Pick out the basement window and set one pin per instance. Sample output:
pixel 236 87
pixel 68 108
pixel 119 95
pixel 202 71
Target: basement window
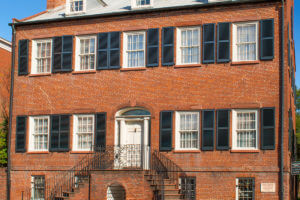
pixel 136 4
pixel 187 186
pixel 37 187
pixel 245 188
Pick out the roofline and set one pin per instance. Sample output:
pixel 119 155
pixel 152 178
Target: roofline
pixel 139 11
pixel 5 44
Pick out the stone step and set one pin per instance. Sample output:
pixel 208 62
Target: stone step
pixel 171 191
pixel 172 196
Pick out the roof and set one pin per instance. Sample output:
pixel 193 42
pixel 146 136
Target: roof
pixel 4 44
pixel 98 7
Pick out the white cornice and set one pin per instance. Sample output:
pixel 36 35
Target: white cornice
pixel 4 44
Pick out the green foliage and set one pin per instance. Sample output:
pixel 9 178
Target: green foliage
pixel 3 142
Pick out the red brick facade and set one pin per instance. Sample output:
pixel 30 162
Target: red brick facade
pixel 251 85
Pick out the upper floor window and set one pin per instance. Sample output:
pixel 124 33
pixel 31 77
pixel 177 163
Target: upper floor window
pixel 187 130
pixel 245 129
pixel 245 41
pixel 188 48
pixel 83 132
pixel 141 3
pixel 76 6
pixel 134 48
pixel 39 133
pixel 86 56
pixel 41 56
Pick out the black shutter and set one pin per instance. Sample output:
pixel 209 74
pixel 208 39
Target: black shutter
pixel 223 42
pixel 292 22
pixel 56 54
pixel 102 58
pixel 208 129
pixel 208 43
pixel 108 53
pixel 223 129
pixel 60 132
pixel 23 57
pixel 114 50
pixel 152 47
pixel 268 128
pixel 168 46
pixel 67 53
pixel 21 127
pixel 267 39
pixel 289 47
pixel 100 136
pixel 166 130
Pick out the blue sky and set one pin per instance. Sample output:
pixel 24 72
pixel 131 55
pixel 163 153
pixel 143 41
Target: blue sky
pixel 24 8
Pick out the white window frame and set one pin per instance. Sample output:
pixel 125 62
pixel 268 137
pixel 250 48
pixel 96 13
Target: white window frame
pixel 177 130
pixel 33 188
pixel 75 136
pixel 77 52
pixel 125 45
pixel 34 55
pixel 234 41
pixel 31 135
pixel 135 6
pixel 179 47
pixel 68 8
pixel 234 129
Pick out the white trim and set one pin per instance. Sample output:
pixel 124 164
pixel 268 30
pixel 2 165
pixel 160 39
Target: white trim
pixel 135 6
pixel 34 55
pixel 177 127
pixel 75 136
pixel 4 44
pixel 31 132
pixel 77 52
pixel 178 42
pixel 236 189
pixel 234 40
pixel 234 129
pixel 125 45
pixel 68 8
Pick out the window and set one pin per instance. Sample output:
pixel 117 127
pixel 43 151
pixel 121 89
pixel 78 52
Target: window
pixel 75 6
pixel 187 130
pixel 245 41
pixel 134 48
pixel 141 3
pixel 245 129
pixel 86 53
pixel 245 188
pixel 189 45
pixel 37 188
pixel 41 60
pixel 83 132
pixel 39 133
pixel 187 186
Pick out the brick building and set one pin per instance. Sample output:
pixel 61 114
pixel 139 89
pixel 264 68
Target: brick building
pixel 5 65
pixel 154 99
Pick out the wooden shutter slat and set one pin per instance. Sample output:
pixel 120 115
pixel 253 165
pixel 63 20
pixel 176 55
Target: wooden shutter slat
pixel 152 47
pixel 114 50
pixel 60 133
pixel 100 136
pixel 21 129
pixel 166 130
pixel 168 46
pixel 208 129
pixel 67 53
pixel 208 50
pixel 223 123
pixel 23 57
pixel 267 39
pixel 223 52
pixel 268 128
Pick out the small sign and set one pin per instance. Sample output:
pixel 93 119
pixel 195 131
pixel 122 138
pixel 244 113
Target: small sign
pixel 296 168
pixel 267 187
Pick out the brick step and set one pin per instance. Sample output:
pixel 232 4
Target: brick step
pixel 172 196
pixel 171 191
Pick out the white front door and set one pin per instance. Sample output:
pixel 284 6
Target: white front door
pixel 133 133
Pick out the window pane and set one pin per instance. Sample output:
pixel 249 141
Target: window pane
pixel 246 42
pixel 246 130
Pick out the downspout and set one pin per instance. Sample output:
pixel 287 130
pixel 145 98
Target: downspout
pixel 282 106
pixel 10 109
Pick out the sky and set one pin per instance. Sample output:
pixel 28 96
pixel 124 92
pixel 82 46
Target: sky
pixel 24 8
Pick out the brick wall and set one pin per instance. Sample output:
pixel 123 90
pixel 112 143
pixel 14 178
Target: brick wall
pixel 3 183
pixel 206 86
pixel 5 66
pixel 54 3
